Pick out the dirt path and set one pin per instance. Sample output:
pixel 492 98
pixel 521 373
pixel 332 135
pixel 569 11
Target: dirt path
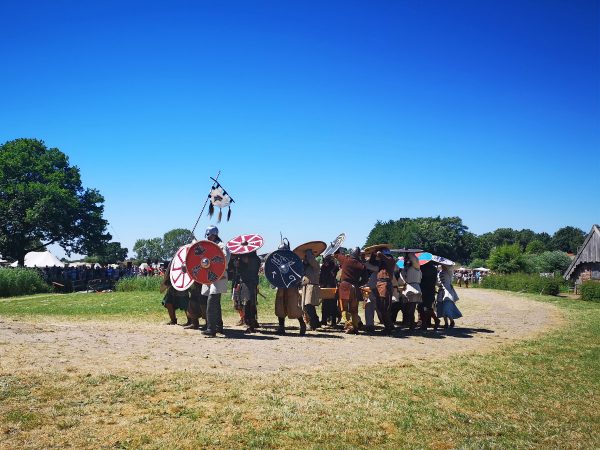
pixel 490 319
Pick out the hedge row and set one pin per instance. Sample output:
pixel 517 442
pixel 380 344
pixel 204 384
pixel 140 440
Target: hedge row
pixel 147 284
pixel 590 290
pixel 21 281
pixel 521 282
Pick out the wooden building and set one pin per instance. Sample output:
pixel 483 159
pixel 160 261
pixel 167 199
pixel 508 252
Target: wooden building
pixel 586 264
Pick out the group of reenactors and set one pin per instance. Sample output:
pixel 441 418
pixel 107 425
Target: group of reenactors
pixel 339 283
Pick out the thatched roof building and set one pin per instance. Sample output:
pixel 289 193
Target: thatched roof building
pixel 586 265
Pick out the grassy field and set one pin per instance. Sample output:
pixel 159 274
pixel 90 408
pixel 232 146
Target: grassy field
pixel 540 393
pixel 139 306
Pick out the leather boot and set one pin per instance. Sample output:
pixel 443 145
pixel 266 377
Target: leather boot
pixel 281 329
pixel 425 319
pixel 194 325
pixel 208 333
pixel 302 327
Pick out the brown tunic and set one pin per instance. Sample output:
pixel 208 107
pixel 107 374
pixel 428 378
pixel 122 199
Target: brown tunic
pixel 352 269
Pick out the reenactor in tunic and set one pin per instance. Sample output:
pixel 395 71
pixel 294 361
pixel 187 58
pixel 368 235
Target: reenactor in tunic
pixel 173 298
pixel 385 263
pixel 352 272
pixel 248 268
pixel 288 303
pixel 428 284
pixel 311 292
pixel 214 318
pixel 327 279
pixel 410 277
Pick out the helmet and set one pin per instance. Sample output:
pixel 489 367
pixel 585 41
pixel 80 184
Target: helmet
pixel 211 230
pixel 355 253
pixel 285 244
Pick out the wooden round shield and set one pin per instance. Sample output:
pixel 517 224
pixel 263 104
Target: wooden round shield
pixel 180 278
pixel 335 245
pixel 376 248
pixel 317 247
pixel 284 269
pixel 206 262
pixel 246 243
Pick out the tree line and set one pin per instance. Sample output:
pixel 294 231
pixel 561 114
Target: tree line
pixel 162 249
pixel 504 249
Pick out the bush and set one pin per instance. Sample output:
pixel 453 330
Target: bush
pixel 521 282
pixel 478 262
pixel 21 281
pixel 590 291
pixel 147 284
pixel 507 259
pixel 548 262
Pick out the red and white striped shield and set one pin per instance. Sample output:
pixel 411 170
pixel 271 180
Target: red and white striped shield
pixel 180 279
pixel 246 243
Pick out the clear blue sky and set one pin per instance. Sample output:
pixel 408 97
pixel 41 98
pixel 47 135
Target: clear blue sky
pixel 322 116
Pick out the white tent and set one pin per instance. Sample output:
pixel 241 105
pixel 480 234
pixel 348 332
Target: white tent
pixel 40 259
pixel 482 269
pixel 79 264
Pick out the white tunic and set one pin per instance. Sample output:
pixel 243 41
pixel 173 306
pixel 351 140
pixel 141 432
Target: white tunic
pixel 446 290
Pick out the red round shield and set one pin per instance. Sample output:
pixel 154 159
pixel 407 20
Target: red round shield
pixel 180 279
pixel 246 243
pixel 205 262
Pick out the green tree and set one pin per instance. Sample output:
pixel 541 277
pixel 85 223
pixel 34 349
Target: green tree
pixel 111 253
pixel 446 236
pixel 42 202
pixel 507 259
pixel 174 239
pixel 482 246
pixel 524 237
pixel 151 249
pixel 567 239
pixel 545 238
pixel 535 247
pixel 499 237
pixel 503 236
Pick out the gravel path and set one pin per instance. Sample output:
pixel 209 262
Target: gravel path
pixel 491 318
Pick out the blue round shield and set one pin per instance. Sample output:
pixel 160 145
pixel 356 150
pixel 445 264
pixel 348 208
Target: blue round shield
pixel 284 269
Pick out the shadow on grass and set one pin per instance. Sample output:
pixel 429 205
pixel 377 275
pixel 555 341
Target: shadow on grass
pixel 466 332
pixel 441 333
pixel 241 334
pixel 268 331
pixel 294 330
